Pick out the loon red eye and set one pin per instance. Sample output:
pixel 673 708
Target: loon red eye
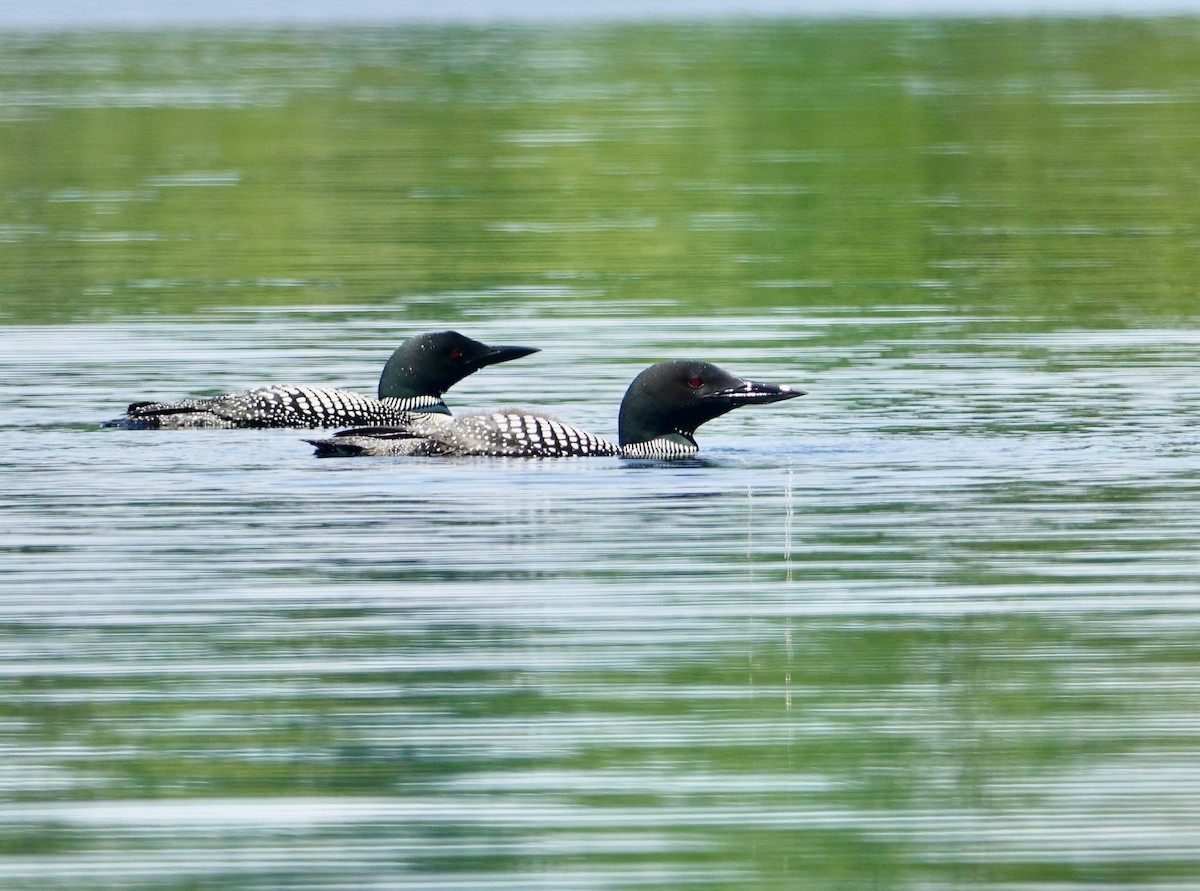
pixel 456 354
pixel 695 383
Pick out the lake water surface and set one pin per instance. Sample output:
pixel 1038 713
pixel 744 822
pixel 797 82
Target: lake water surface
pixel 933 625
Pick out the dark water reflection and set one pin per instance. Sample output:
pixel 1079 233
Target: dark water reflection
pixel 931 626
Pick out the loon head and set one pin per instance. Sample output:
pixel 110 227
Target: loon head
pixel 672 399
pixel 430 364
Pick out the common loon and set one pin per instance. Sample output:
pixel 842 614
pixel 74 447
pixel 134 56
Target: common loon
pixel 416 375
pixel 659 415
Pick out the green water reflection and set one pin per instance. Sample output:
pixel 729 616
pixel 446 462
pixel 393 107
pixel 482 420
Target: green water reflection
pixel 1043 166
pixel 824 753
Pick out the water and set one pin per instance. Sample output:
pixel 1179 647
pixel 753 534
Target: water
pixel 930 626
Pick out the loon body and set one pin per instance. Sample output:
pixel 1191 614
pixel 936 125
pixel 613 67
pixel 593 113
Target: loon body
pixel 659 415
pixel 412 383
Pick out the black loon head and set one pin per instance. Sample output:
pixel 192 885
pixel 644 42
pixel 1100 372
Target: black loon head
pixel 430 364
pixel 671 399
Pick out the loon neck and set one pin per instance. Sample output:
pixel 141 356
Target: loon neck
pixel 670 445
pixel 418 404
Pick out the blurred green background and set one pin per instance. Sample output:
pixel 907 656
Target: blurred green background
pixel 1023 166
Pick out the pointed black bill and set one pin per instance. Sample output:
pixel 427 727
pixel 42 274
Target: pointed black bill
pixel 754 393
pixel 497 354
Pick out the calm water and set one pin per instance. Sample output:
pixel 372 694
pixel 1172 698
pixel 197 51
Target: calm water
pixel 932 626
